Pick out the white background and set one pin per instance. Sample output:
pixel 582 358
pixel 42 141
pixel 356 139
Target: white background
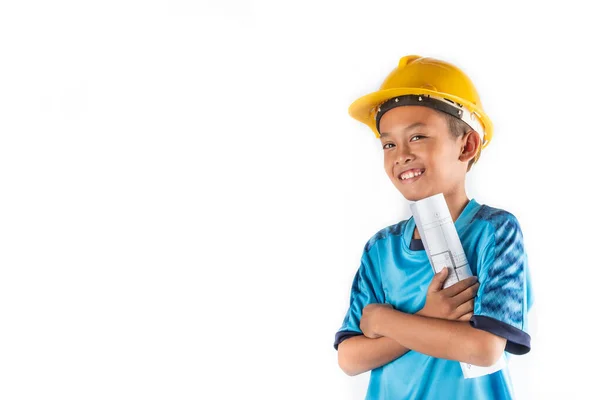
pixel 184 198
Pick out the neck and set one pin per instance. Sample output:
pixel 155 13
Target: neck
pixel 456 203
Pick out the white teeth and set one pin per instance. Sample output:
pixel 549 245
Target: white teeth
pixel 409 175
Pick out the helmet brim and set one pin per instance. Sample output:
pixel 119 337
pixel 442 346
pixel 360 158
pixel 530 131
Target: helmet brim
pixel 364 108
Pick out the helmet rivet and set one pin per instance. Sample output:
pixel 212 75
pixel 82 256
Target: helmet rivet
pixel 396 99
pixel 420 98
pixel 379 109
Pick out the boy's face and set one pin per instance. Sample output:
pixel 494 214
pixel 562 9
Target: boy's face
pixel 417 139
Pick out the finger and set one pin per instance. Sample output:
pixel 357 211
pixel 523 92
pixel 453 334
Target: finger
pixel 460 286
pixel 465 308
pixel 466 317
pixel 466 294
pixel 438 281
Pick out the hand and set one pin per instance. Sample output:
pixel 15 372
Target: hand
pixel 453 303
pixel 370 319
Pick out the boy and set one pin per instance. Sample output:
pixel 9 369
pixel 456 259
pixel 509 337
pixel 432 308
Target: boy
pixel 400 324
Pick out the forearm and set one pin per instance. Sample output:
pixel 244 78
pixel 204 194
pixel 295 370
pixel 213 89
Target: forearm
pixel 359 354
pixel 440 338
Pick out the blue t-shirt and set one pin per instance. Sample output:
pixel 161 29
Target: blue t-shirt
pixel 394 271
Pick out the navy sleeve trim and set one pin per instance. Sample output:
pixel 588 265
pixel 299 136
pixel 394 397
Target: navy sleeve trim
pixel 343 335
pixel 517 341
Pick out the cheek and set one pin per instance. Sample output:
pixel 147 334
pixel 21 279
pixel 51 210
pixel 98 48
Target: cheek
pixel 438 172
pixel 389 172
pixel 443 169
pixel 388 165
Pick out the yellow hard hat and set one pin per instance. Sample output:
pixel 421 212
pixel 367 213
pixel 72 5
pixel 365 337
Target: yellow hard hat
pixel 426 81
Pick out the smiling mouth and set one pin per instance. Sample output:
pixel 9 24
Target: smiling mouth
pixel 411 176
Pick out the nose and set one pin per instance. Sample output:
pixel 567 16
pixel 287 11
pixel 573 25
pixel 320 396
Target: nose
pixel 404 158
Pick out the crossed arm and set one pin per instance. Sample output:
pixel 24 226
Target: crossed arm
pixel 389 334
pixel 360 354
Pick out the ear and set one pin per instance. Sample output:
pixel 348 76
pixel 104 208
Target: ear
pixel 470 143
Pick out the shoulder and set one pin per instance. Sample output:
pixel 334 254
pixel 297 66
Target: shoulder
pixel 386 234
pixel 497 219
pixel 501 228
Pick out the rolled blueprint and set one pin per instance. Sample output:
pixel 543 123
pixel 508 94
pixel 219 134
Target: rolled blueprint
pixel 440 238
pixel 444 249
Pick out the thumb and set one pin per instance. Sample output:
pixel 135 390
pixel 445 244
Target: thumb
pixel 438 280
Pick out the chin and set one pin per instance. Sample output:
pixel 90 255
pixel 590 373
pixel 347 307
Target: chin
pixel 416 196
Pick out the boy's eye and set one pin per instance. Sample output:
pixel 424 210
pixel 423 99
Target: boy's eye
pixel 411 139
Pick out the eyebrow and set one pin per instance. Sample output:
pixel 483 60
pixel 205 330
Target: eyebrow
pixel 412 126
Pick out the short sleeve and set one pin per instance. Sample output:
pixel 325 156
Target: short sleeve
pixel 366 289
pixel 504 297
